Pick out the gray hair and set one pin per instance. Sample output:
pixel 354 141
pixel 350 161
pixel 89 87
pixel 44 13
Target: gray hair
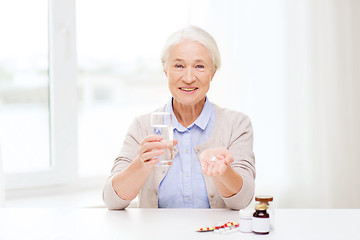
pixel 195 34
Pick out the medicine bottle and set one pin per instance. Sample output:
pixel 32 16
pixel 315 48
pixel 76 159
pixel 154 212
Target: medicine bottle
pixel 266 199
pixel 245 223
pixel 260 220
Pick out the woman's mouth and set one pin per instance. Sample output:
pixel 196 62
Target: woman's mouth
pixel 188 89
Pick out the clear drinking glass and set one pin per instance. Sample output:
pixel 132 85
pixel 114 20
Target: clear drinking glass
pixel 161 124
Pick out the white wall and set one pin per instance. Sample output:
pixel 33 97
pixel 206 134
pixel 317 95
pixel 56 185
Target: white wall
pixel 323 104
pixel 2 190
pixel 293 67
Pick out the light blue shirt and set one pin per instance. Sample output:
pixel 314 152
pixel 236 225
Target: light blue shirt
pixel 184 185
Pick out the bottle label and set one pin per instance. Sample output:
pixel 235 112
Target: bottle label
pixel 261 225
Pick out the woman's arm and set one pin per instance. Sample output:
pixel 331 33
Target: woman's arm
pixel 216 163
pixel 127 184
pixel 132 167
pixel 232 167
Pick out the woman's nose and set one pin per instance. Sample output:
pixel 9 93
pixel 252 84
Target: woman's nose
pixel 189 75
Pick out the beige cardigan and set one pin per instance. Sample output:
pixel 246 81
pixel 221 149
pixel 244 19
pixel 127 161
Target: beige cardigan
pixel 232 130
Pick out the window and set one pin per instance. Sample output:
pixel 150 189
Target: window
pixel 119 71
pixel 81 98
pixel 88 103
pixel 37 86
pixel 24 84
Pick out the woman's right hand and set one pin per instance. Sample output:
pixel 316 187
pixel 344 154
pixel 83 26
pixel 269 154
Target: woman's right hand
pixel 150 148
pixel 127 184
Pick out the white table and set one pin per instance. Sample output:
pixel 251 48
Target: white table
pixel 100 223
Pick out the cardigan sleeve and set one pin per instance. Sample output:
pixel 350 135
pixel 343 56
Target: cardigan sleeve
pixel 126 156
pixel 241 146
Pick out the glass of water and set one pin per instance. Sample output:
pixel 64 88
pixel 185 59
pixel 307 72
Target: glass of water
pixel 161 124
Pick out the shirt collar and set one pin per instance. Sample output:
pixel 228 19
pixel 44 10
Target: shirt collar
pixel 202 121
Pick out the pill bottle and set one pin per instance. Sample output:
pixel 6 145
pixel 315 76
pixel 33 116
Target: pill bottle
pixel 266 199
pixel 245 222
pixel 260 219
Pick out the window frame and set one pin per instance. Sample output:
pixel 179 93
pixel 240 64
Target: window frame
pixel 62 103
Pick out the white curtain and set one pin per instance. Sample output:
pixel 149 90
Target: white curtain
pixel 294 67
pixel 2 187
pixel 323 103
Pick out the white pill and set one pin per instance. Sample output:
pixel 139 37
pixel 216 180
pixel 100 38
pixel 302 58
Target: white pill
pixel 213 159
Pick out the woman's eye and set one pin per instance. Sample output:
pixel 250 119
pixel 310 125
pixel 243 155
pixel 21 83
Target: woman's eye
pixel 200 66
pixel 178 66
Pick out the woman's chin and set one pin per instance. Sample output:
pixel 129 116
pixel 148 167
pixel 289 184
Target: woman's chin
pixel 189 101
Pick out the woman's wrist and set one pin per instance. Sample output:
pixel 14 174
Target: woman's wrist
pixel 229 183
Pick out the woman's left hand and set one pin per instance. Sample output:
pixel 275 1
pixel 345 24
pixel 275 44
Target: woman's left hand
pixel 215 161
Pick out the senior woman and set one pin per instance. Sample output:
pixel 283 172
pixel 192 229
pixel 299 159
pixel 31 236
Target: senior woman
pixel 202 131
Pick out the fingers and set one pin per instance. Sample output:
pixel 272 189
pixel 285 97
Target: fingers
pixel 211 170
pixel 151 162
pixel 215 161
pixel 151 142
pixel 151 155
pixel 151 138
pixel 204 166
pixel 214 169
pixel 224 154
pixel 156 138
pixel 151 147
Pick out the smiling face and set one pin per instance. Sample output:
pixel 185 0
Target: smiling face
pixel 189 71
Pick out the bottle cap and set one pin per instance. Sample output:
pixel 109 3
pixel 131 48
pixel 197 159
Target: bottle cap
pixel 264 198
pixel 246 213
pixel 261 206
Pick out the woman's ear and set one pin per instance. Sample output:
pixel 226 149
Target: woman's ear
pixel 212 76
pixel 165 73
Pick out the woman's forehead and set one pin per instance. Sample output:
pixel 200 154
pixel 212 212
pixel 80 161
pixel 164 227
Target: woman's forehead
pixel 187 50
